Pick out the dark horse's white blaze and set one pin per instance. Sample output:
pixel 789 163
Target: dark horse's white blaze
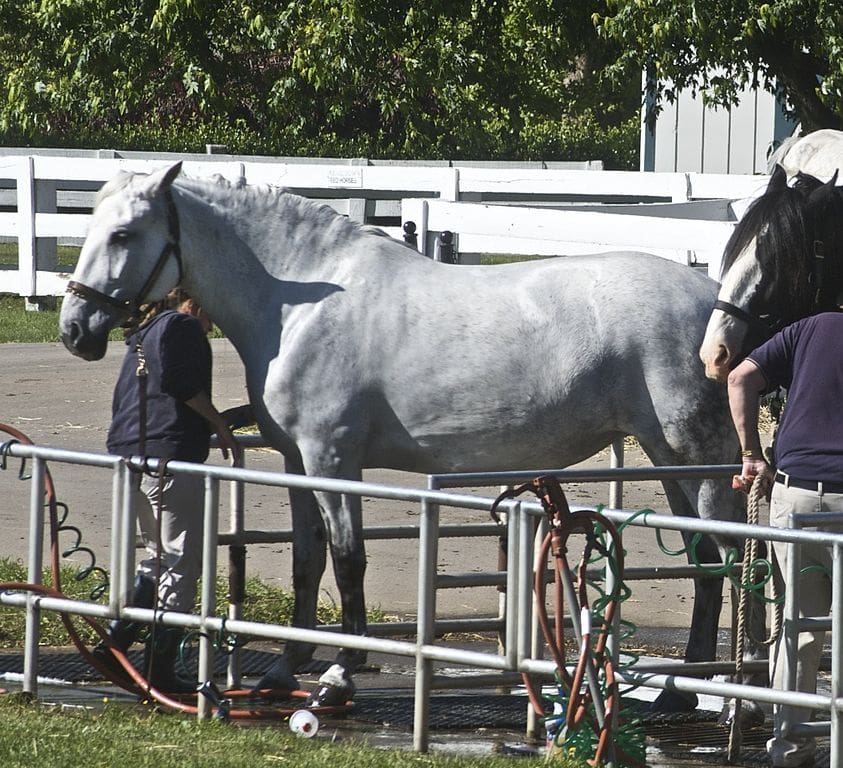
pixel 359 352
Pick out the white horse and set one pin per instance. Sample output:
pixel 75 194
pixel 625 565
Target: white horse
pixel 819 154
pixel 360 352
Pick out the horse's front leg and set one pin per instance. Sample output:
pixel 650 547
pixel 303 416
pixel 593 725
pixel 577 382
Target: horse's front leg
pixel 705 618
pixel 343 519
pixel 309 558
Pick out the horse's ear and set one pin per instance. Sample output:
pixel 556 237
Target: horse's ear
pixel 161 180
pixel 778 178
pixel 832 182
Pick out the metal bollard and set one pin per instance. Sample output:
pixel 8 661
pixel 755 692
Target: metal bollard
pixel 447 252
pixel 410 236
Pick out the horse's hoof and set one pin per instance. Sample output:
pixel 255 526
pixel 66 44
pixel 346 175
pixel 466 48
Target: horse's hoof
pixel 276 678
pixel 750 717
pixel 334 689
pixel 671 702
pixel 331 695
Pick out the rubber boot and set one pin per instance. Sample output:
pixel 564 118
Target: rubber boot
pixel 123 632
pixel 161 659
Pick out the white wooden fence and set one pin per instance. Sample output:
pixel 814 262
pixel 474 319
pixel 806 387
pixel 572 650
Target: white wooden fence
pixel 46 199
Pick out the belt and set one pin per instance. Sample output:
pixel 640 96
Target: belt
pixel 809 485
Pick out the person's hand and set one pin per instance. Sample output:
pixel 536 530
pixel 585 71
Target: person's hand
pixel 751 469
pixel 239 416
pixel 229 445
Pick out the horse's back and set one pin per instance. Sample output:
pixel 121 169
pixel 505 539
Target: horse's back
pixel 819 154
pixel 529 364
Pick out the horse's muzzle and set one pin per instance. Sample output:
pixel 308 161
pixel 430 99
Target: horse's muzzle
pixel 88 346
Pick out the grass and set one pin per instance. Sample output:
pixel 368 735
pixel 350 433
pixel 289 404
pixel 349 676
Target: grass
pixel 33 736
pixel 16 323
pixel 19 325
pixel 137 736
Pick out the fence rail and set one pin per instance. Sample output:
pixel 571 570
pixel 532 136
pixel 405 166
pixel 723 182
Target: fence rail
pixel 518 656
pixel 46 199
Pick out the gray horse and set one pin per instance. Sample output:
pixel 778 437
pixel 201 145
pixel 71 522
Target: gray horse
pixel 359 352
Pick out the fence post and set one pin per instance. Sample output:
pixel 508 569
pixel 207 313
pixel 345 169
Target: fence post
pixel 616 458
pixel 416 210
pixel 236 571
pixel 428 558
pixel 35 565
pixel 33 252
pixel 208 599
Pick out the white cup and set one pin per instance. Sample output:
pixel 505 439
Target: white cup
pixel 304 723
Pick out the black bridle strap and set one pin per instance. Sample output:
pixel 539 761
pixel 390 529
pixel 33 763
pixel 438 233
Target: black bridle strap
pixel 737 312
pixel 757 324
pixel 123 306
pixel 128 307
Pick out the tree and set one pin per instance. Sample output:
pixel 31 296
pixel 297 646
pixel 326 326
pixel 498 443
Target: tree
pixel 719 47
pixel 440 78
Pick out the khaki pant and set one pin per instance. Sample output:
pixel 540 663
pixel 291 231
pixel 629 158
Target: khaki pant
pixel 814 600
pixel 182 512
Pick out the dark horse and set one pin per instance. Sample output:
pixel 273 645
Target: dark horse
pixel 783 262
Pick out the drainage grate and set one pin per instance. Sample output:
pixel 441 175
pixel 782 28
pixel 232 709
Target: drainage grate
pixel 457 712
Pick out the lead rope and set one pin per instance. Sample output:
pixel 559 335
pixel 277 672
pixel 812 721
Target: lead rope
pixel 750 555
pixel 142 373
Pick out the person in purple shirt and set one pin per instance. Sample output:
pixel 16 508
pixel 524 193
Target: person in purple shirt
pixel 167 414
pixel 806 358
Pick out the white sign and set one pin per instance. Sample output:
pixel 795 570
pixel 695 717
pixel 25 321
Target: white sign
pixel 345 177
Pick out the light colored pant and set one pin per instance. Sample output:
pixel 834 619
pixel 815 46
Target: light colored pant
pixel 814 600
pixel 182 512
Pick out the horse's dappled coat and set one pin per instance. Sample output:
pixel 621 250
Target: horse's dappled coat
pixel 360 352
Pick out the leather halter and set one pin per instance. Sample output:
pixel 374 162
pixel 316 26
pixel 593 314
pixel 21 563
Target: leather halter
pixel 758 324
pixel 766 325
pixel 128 309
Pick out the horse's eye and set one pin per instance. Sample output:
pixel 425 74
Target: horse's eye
pixel 119 237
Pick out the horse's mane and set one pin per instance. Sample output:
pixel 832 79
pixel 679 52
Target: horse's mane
pixel 112 186
pixel 261 200
pixel 788 222
pixel 266 200
pixel 779 223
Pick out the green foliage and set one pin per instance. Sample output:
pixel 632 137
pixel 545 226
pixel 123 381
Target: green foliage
pixel 718 47
pixel 434 80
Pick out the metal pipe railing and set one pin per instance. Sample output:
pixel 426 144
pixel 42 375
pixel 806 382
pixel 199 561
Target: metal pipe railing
pixel 521 517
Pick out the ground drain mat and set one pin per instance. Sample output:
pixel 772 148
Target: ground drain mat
pixel 70 667
pixel 709 743
pixel 457 712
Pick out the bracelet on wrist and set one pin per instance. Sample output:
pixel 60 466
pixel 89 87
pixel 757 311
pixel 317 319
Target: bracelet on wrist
pixel 751 455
